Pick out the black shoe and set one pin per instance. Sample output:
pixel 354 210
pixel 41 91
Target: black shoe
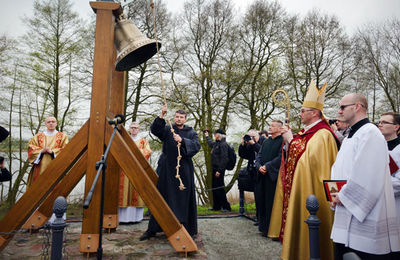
pixel 275 239
pixel 147 235
pixel 255 224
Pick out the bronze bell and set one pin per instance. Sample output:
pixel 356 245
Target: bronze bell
pixel 133 48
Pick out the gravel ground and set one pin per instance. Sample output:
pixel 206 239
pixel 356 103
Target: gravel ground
pixel 220 237
pixel 236 238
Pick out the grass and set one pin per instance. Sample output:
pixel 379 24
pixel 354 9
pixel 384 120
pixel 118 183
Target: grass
pixel 75 210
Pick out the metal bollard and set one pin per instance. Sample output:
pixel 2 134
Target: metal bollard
pixel 241 202
pixel 313 223
pixel 59 208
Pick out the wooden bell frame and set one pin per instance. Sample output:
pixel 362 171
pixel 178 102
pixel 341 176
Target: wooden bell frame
pixel 34 208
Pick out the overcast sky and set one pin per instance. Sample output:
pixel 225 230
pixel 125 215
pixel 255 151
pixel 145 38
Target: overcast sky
pixel 352 13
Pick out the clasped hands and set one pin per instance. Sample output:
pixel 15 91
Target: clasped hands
pixel 47 150
pixel 263 170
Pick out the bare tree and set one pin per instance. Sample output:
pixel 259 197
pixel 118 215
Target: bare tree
pixel 380 47
pixel 201 47
pixel 318 48
pixel 54 40
pixel 261 51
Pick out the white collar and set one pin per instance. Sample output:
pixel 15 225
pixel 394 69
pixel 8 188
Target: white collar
pixel 47 133
pixel 306 128
pixel 135 138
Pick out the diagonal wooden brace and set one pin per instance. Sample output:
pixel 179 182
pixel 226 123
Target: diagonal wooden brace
pixel 140 179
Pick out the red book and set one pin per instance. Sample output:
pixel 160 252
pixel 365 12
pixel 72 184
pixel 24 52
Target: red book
pixel 392 165
pixel 332 186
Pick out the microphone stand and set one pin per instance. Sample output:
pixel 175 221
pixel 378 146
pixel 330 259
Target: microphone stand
pixel 101 168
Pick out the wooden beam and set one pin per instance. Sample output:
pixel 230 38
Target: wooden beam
pixel 114 7
pixel 173 229
pixel 31 199
pixel 143 184
pixel 116 106
pixel 63 188
pixel 139 156
pixel 102 69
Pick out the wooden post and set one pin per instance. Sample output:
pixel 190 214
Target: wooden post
pixel 117 103
pixel 102 69
pixel 87 147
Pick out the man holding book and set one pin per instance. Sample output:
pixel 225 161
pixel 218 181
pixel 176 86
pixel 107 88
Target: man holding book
pixel 365 219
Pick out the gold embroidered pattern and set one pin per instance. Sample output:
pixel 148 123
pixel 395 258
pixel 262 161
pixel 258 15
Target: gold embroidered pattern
pixel 296 149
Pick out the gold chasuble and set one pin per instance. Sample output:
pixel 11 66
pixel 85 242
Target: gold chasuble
pixel 55 142
pixel 309 160
pixel 128 196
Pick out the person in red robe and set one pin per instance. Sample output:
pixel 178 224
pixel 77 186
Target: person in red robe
pixel 131 205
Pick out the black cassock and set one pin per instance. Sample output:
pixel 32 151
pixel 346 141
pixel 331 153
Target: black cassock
pixel 181 202
pixel 270 155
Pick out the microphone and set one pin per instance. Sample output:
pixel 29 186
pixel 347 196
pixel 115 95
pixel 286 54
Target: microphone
pixel 119 119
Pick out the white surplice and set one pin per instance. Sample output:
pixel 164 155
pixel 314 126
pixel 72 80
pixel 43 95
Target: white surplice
pixel 395 153
pixel 368 220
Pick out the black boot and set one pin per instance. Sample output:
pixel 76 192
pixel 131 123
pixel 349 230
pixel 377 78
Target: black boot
pixel 147 235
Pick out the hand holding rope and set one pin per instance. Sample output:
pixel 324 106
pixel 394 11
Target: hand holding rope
pixel 181 186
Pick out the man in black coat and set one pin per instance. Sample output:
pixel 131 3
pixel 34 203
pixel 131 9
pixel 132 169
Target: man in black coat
pixel 181 202
pixel 5 175
pixel 248 150
pixel 3 134
pixel 267 164
pixel 219 161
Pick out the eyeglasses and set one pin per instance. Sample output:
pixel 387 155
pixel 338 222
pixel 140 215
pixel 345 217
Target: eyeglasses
pixel 133 127
pixel 305 110
pixel 386 123
pixel 342 107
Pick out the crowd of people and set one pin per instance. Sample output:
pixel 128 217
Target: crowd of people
pixel 362 217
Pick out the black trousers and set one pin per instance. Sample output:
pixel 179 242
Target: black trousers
pixel 341 249
pixel 219 195
pixel 264 201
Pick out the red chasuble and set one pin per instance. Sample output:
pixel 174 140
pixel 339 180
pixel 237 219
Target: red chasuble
pixel 296 149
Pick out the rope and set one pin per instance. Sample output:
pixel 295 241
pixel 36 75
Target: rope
pixel 178 146
pixel 216 188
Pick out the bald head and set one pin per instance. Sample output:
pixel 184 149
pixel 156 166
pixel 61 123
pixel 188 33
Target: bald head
pixel 360 98
pixel 50 123
pixel 353 108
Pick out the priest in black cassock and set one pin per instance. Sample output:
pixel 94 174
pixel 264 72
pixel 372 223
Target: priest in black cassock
pixel 267 163
pixel 181 202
